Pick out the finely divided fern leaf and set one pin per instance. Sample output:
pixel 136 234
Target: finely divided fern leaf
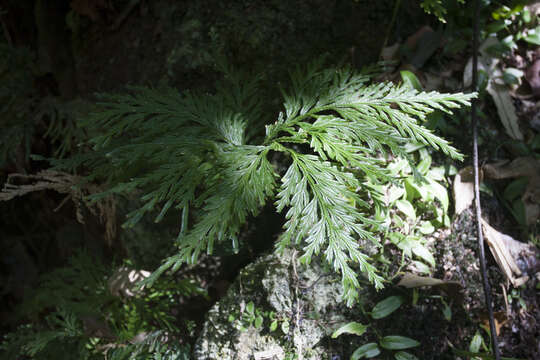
pixel 322 214
pixel 245 180
pixel 345 123
pixel 190 152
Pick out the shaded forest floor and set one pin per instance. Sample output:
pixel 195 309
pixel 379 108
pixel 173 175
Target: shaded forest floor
pixel 99 46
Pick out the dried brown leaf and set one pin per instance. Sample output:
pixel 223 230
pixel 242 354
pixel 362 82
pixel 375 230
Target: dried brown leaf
pixel 73 187
pixel 452 288
pixel 510 253
pixel 499 317
pixel 463 189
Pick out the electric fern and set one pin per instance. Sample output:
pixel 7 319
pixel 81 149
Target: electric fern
pixel 191 152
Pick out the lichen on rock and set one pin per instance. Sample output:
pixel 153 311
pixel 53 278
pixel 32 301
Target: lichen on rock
pixel 302 300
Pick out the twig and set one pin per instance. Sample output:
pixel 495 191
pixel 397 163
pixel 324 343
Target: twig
pixel 397 5
pixel 481 255
pixel 125 12
pixel 5 28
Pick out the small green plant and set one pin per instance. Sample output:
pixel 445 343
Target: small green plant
pixel 409 209
pixel 249 316
pixel 512 24
pixel 395 344
pixel 477 343
pixel 510 33
pixel 277 321
pixel 515 297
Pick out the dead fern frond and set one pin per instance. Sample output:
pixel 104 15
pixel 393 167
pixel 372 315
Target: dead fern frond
pixel 75 190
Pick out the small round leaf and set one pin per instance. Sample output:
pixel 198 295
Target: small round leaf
pixel 258 321
pixel 426 227
pixel 250 307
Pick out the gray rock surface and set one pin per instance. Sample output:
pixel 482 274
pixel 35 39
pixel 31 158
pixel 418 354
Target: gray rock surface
pixel 300 301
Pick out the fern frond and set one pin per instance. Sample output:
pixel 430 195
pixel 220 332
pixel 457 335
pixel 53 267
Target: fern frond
pixel 155 345
pixel 347 124
pixel 186 152
pixel 64 327
pixel 321 214
pixel 189 151
pixel 246 180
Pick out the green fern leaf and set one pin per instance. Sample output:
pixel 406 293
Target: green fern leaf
pixel 192 152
